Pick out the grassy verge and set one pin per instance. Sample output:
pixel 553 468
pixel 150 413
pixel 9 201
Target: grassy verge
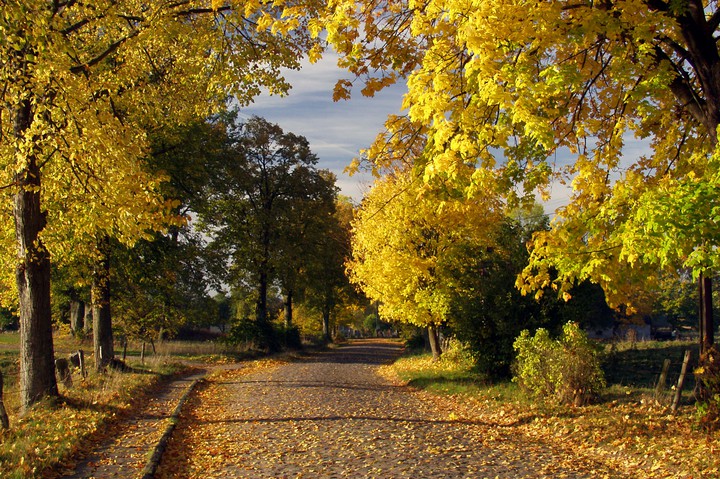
pixel 629 429
pixel 51 432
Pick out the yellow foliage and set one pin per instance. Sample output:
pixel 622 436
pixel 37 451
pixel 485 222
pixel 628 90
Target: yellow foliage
pixel 87 82
pixel 402 241
pixel 499 89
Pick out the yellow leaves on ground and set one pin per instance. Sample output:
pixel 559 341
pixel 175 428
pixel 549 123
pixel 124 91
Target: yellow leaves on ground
pixel 204 451
pixel 633 436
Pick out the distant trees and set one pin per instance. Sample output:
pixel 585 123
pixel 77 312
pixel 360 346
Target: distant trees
pixel 406 241
pixel 267 210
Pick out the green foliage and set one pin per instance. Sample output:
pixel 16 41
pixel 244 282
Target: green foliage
pixel 289 336
pixel 8 320
pixel 458 352
pixel 567 369
pixel 487 311
pixel 244 331
pixel 708 377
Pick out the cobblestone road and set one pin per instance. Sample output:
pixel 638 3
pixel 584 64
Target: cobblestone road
pixel 330 415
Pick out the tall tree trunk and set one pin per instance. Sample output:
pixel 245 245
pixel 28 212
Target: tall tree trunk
pixel 37 357
pixel 77 316
pixel 288 309
pixel 102 320
pixel 87 318
pixel 326 322
pixel 434 339
pixel 707 324
pixel 261 314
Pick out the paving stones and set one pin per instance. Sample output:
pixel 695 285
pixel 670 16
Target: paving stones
pixel 330 415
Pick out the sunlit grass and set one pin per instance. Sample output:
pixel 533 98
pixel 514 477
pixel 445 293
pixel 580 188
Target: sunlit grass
pixel 628 427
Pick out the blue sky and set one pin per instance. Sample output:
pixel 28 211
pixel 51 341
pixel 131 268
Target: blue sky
pixel 337 131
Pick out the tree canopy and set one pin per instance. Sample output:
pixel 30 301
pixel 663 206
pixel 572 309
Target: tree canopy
pixel 82 83
pixel 505 90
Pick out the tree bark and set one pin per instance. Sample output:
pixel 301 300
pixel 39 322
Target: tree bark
pixel 326 322
pixel 77 316
pixel 707 323
pixel 434 339
pixel 288 309
pixel 37 357
pixel 102 319
pixel 4 420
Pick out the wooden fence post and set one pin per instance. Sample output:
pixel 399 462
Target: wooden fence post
pixel 662 380
pixel 681 380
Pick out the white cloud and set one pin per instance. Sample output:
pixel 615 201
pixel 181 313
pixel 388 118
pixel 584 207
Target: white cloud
pixel 337 131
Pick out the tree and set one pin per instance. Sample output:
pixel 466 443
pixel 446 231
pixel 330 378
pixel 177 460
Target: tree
pixel 261 200
pixel 80 84
pixel 327 285
pixel 530 81
pixel 305 224
pixel 404 240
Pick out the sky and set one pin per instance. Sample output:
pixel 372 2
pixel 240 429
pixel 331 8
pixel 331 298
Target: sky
pixel 336 131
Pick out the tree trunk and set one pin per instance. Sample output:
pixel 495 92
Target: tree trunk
pixel 77 316
pixel 288 309
pixel 37 357
pixel 88 317
pixel 4 420
pixel 706 326
pixel 434 339
pixel 326 323
pixel 261 306
pixel 102 320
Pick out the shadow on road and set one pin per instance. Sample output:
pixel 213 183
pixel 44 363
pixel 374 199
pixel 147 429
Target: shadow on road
pixel 374 352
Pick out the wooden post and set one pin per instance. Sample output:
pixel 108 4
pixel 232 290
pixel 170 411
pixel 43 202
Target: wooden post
pixel 681 380
pixel 142 353
pixel 662 380
pixel 4 421
pixel 81 356
pixel 62 366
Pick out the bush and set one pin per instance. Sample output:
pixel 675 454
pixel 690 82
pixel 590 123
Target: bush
pixel 290 337
pixel 457 352
pixel 708 379
pixel 244 331
pixel 567 369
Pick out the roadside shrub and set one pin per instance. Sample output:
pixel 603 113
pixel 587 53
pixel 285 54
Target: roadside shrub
pixel 567 369
pixel 707 376
pixel 290 337
pixel 457 352
pixel 244 331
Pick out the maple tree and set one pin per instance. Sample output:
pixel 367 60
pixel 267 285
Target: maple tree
pixel 404 240
pixel 504 90
pixel 80 85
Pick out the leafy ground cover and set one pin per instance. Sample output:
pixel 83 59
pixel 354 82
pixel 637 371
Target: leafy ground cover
pixel 628 428
pixel 47 435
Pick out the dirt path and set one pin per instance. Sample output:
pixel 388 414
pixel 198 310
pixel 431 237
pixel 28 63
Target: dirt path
pixel 330 415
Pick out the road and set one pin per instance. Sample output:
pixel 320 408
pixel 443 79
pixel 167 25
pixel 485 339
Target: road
pixel 330 415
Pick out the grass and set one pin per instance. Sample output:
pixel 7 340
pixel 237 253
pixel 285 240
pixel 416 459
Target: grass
pixel 628 427
pixel 51 432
